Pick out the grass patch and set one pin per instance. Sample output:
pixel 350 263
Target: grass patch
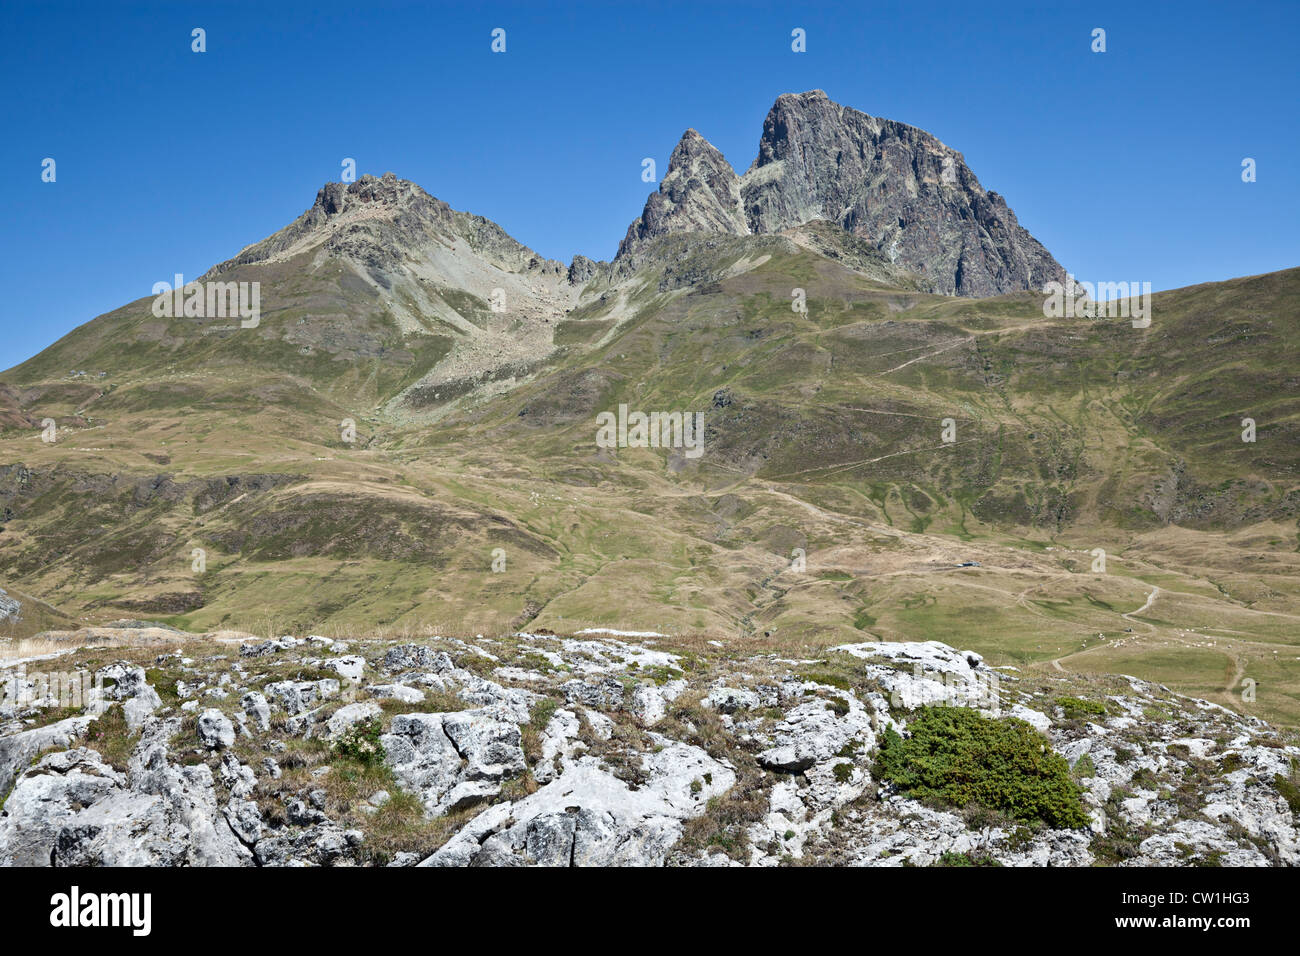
pixel 827 678
pixel 531 733
pixel 110 737
pixel 965 859
pixel 400 826
pixel 1077 709
pixel 1289 787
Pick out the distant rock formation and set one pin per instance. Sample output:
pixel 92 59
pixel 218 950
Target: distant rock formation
pixel 383 221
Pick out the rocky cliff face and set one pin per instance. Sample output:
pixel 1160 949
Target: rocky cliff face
pixel 893 185
pixel 700 192
pixel 537 749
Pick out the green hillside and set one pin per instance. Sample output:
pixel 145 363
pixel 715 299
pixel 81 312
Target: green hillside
pixel 823 432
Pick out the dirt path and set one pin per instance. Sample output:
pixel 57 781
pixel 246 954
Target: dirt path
pixel 1151 598
pixel 921 358
pixel 833 469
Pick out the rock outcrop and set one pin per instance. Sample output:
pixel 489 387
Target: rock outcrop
pixel 544 750
pixel 700 192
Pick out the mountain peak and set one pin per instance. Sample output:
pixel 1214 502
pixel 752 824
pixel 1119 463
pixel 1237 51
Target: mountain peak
pixel 808 97
pixel 387 190
pixel 700 192
pixel 896 186
pixel 383 223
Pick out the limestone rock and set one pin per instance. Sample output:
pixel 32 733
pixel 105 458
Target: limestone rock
pixel 453 760
pixel 588 817
pixel 298 696
pixel 813 732
pixel 17 750
pixel 215 730
pixel 349 715
pixel 728 700
pixel 257 709
pixel 351 666
pixel 47 796
pixel 407 695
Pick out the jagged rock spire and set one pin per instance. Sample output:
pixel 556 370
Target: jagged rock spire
pixel 699 193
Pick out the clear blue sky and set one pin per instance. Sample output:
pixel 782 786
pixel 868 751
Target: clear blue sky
pixel 1126 164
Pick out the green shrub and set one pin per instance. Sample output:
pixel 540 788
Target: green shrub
pixel 954 756
pixel 541 713
pixel 360 742
pixel 1144 778
pixel 662 674
pixel 837 705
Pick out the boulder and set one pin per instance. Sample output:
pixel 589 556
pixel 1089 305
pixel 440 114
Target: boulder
pixel 349 715
pixel 18 750
pixel 453 760
pixel 215 730
pixel 257 709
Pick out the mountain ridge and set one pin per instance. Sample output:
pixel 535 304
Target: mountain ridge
pixel 887 187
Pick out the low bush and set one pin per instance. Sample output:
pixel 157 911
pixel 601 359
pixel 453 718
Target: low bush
pixel 954 756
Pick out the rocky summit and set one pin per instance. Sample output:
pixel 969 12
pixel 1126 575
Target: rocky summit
pixel 893 185
pixel 608 748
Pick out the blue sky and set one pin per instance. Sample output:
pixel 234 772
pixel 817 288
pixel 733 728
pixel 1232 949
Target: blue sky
pixel 1126 165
